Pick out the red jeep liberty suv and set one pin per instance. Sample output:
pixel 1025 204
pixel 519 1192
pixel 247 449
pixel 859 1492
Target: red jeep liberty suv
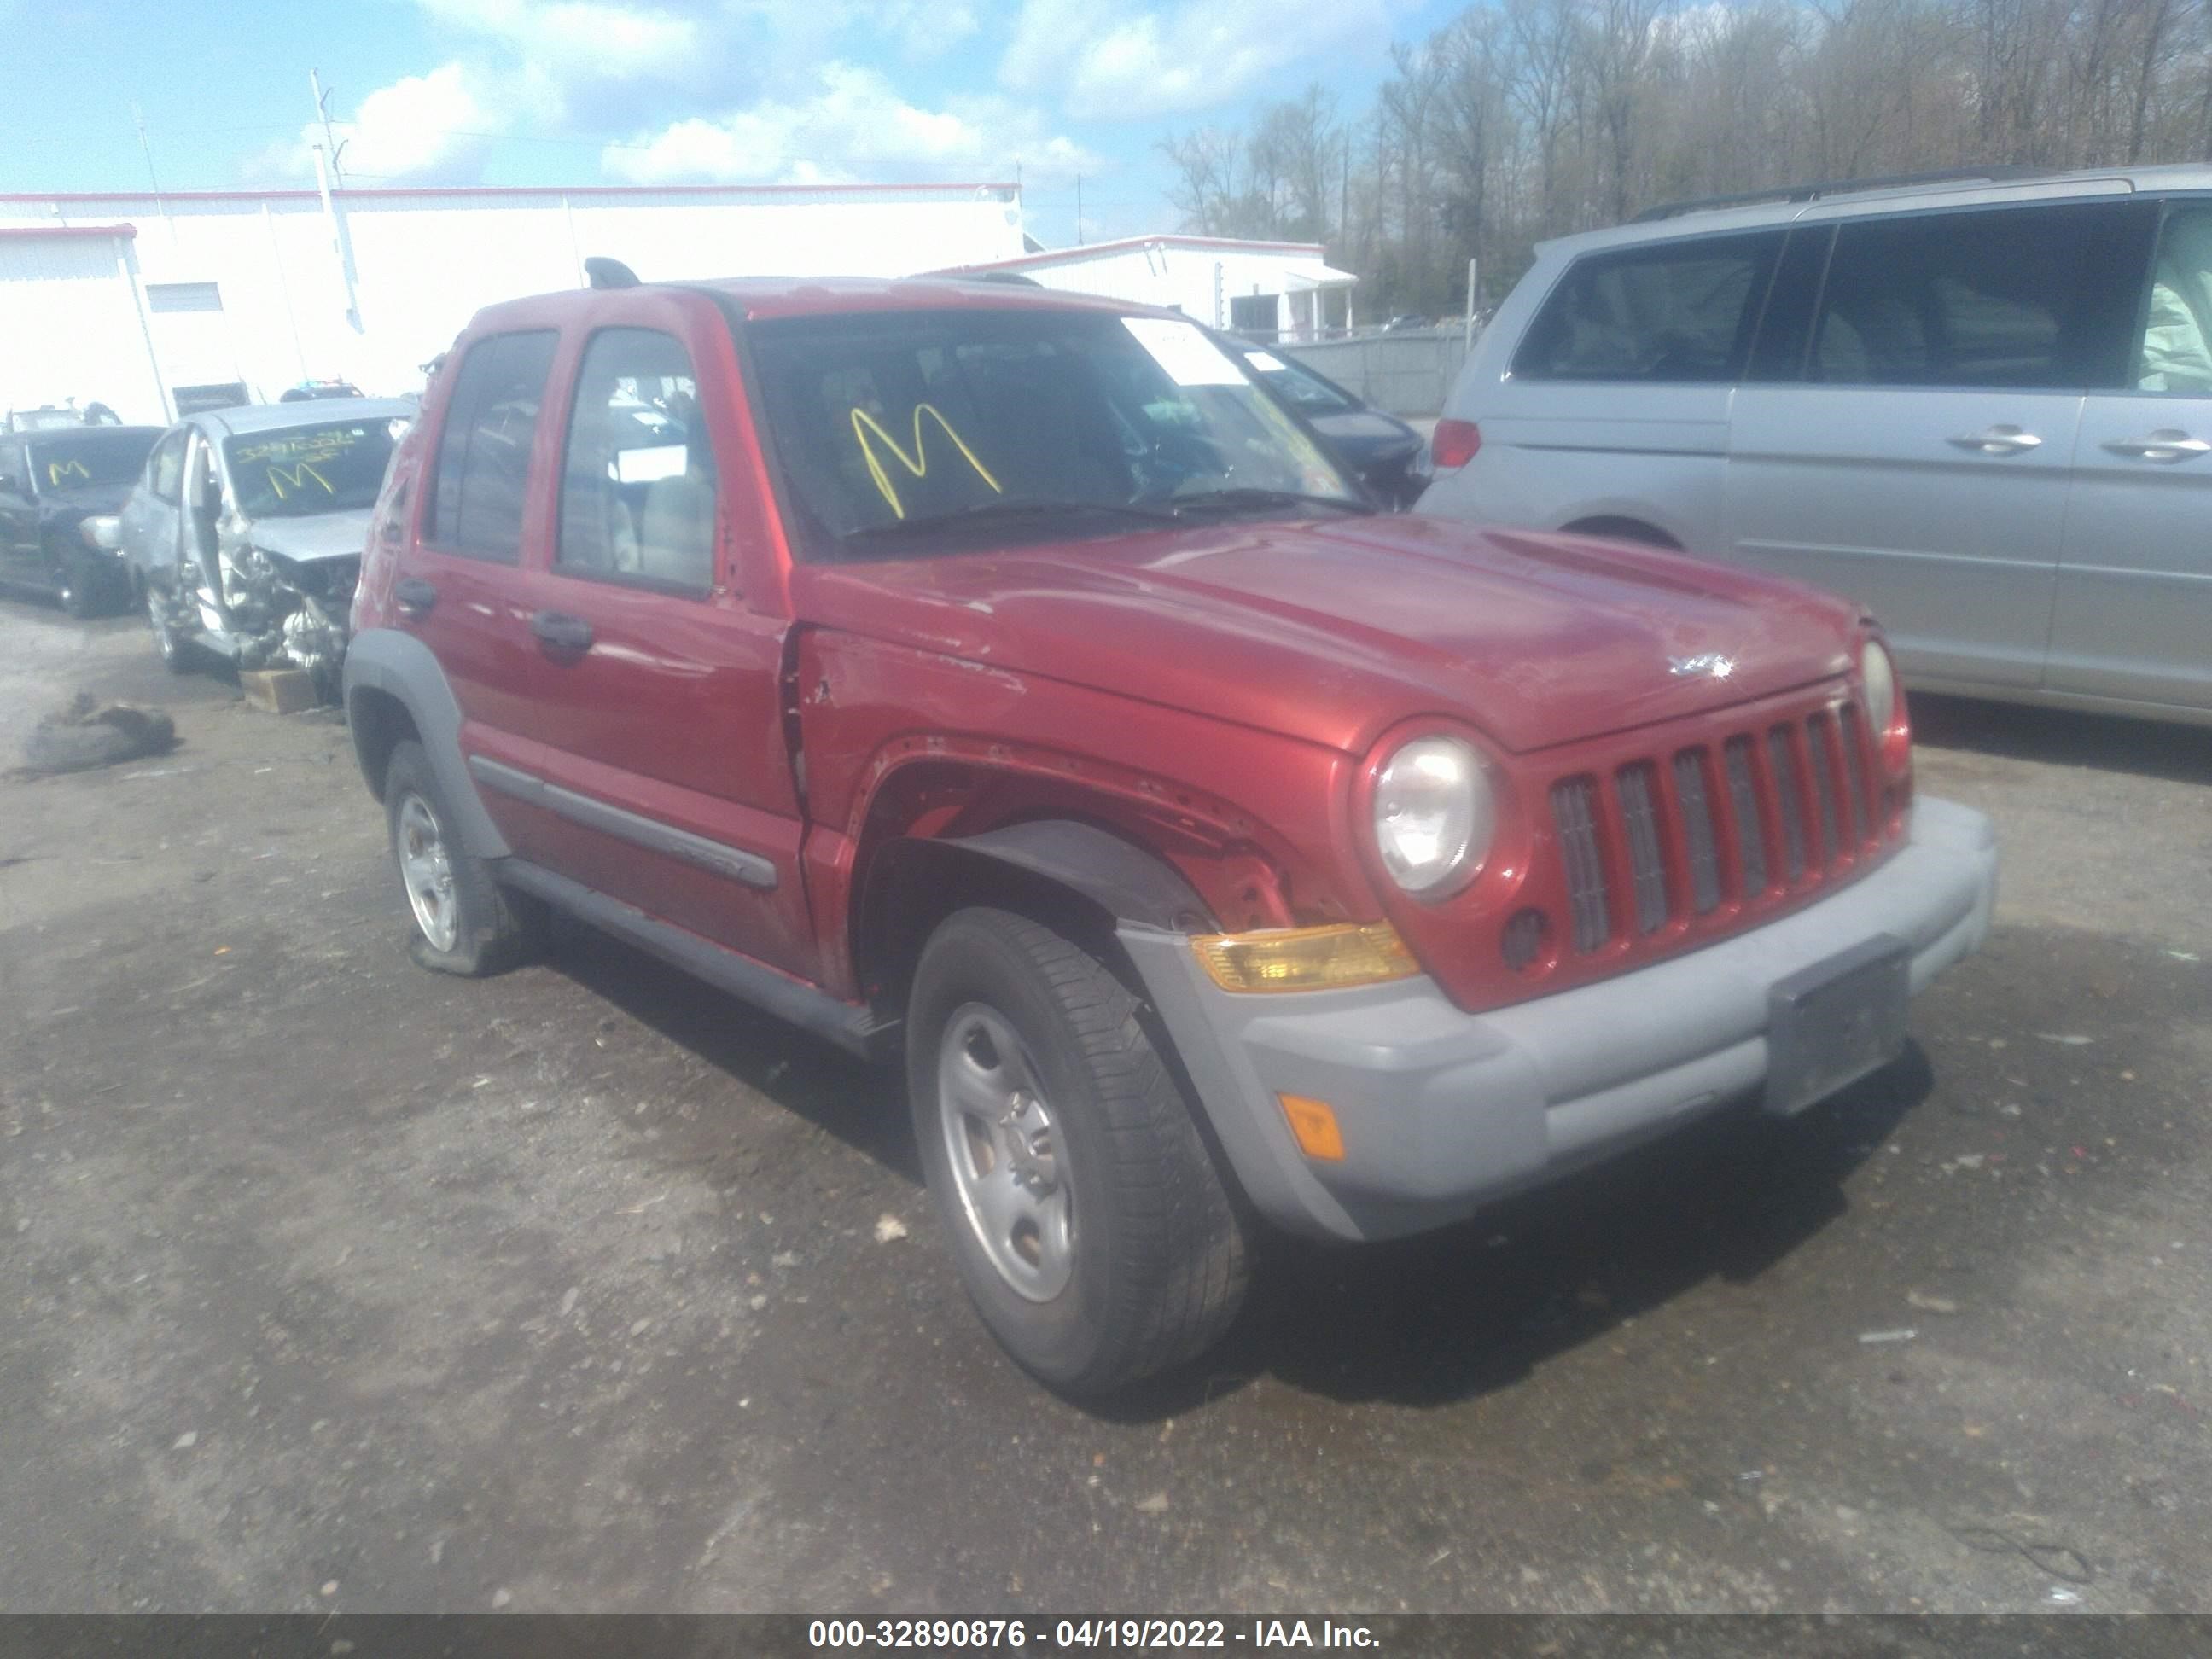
pixel 1009 680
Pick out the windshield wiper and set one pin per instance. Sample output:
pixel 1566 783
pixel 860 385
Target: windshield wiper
pixel 1009 507
pixel 1246 496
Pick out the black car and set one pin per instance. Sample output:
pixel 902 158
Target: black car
pixel 50 483
pixel 1390 458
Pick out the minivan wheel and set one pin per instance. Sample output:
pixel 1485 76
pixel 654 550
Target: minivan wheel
pixel 465 923
pixel 1090 1225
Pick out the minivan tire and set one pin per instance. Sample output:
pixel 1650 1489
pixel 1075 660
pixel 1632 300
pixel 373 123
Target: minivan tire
pixel 1156 1255
pixel 471 927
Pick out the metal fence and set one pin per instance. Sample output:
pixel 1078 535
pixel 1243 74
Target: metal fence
pixel 1405 374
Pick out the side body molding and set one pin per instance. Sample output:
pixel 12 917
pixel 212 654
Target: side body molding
pixel 399 665
pixel 716 858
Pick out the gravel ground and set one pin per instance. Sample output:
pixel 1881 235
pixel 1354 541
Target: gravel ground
pixel 332 1285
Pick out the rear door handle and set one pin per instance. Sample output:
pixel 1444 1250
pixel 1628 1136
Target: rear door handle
pixel 561 631
pixel 414 596
pixel 2166 444
pixel 2004 440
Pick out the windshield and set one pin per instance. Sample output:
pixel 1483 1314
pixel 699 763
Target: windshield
pixel 932 430
pixel 307 470
pixel 90 455
pixel 1300 385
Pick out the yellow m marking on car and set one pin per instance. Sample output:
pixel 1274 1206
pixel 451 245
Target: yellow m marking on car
pixel 297 477
pixel 917 465
pixel 58 472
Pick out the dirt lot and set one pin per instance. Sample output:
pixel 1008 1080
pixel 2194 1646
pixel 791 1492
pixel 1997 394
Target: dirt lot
pixel 331 1284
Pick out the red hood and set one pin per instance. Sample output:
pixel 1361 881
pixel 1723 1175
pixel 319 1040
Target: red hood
pixel 1332 630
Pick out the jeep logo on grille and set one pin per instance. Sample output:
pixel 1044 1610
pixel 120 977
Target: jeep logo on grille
pixel 1710 663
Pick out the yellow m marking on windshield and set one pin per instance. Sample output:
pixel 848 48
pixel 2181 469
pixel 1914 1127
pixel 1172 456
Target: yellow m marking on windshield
pixel 917 465
pixel 297 477
pixel 59 472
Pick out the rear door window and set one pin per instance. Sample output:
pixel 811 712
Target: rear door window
pixel 2026 297
pixel 484 451
pixel 1672 312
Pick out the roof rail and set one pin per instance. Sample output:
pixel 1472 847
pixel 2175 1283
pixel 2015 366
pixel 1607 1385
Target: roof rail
pixel 1997 175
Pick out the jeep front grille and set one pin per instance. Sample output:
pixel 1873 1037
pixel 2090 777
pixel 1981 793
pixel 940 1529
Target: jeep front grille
pixel 1636 854
pixel 1574 808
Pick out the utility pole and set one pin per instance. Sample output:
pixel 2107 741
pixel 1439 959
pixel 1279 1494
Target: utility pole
pixel 153 179
pixel 327 169
pixel 330 145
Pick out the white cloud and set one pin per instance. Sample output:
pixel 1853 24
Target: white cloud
pixel 1114 63
pixel 853 121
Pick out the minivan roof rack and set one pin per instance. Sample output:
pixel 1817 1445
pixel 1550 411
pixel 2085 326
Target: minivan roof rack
pixel 1997 175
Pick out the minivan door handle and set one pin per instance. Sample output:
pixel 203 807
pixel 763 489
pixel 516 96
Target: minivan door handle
pixel 2166 444
pixel 563 632
pixel 414 596
pixel 1999 440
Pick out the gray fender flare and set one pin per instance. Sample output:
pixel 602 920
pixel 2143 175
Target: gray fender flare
pixel 1122 883
pixel 399 665
pixel 1132 885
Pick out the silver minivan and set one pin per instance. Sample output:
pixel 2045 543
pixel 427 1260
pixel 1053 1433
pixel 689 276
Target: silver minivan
pixel 1981 406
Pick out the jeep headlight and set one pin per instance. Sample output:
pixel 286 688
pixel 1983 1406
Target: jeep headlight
pixel 1878 675
pixel 1435 813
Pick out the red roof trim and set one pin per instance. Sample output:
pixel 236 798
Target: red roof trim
pixel 553 191
pixel 48 232
pixel 1090 250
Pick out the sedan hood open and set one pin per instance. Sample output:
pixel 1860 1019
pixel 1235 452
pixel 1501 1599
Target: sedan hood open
pixel 1332 630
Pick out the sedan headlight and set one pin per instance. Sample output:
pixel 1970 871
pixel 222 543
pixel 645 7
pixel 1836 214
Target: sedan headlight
pixel 1880 675
pixel 1435 813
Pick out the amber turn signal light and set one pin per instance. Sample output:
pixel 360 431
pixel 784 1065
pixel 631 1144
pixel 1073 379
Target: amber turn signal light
pixel 1314 1125
pixel 1305 958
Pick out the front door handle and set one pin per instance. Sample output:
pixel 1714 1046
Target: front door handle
pixel 414 596
pixel 2004 440
pixel 2166 444
pixel 563 632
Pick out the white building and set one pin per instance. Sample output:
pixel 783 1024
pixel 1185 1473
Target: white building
pixel 1268 290
pixel 129 298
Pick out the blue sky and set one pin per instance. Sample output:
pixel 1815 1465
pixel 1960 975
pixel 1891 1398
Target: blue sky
pixel 578 91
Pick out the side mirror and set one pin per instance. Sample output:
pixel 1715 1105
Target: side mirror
pixel 103 531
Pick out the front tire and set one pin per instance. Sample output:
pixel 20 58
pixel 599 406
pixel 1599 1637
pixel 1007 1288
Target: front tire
pixel 465 923
pixel 166 646
pixel 1090 1225
pixel 76 587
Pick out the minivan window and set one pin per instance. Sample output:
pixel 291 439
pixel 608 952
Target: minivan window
pixel 2175 351
pixel 637 484
pixel 1668 312
pixel 2008 297
pixel 484 453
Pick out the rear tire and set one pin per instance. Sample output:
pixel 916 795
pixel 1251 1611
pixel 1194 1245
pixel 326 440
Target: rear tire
pixel 465 923
pixel 1090 1225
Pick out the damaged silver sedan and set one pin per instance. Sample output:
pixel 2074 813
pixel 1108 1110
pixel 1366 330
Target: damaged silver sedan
pixel 244 535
